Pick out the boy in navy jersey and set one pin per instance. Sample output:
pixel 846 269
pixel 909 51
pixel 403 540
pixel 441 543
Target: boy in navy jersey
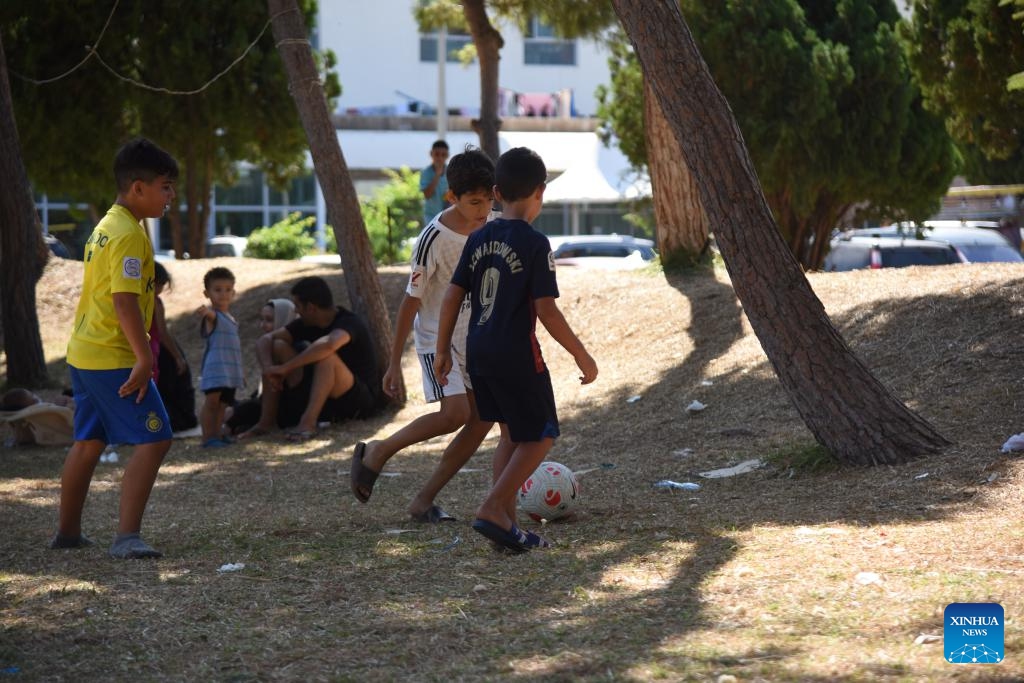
pixel 509 273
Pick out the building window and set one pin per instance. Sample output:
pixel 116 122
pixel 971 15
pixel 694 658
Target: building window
pixel 456 41
pixel 542 46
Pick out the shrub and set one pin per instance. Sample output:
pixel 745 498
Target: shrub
pixel 392 215
pixel 287 239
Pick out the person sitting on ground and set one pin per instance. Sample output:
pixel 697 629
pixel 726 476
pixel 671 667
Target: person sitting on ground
pixel 438 248
pixel 274 314
pixel 320 367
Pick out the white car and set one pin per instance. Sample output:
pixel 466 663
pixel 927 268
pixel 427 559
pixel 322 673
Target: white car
pixel 603 252
pixel 226 245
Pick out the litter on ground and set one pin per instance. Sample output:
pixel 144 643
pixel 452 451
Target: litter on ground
pixel 742 468
pixel 669 484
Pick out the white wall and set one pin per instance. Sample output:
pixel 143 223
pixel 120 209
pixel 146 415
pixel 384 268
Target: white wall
pixel 378 48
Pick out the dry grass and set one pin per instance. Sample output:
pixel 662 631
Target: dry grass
pixel 752 576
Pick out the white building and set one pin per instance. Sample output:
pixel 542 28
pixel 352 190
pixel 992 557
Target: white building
pixel 385 63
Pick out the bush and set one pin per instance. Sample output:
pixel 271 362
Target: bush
pixel 392 216
pixel 287 239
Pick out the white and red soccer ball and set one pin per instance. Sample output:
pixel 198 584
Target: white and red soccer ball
pixel 549 493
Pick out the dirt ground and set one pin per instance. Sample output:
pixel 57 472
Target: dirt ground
pixel 785 573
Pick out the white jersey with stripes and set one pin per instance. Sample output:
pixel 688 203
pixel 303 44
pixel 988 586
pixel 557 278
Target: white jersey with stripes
pixel 438 249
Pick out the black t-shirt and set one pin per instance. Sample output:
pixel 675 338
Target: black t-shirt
pixel 506 265
pixel 358 355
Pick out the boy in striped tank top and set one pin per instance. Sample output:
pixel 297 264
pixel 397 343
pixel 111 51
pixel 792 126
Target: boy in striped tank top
pixel 222 372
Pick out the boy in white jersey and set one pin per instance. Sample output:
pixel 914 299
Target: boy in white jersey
pixel 438 248
pixel 110 359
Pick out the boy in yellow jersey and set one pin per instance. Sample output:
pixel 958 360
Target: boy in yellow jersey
pixel 109 355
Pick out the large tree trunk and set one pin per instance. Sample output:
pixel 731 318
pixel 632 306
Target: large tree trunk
pixel 22 253
pixel 364 288
pixel 846 408
pixel 488 44
pixel 682 227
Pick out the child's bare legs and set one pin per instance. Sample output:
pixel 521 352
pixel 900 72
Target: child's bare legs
pixel 79 466
pixel 456 454
pixel 513 463
pixel 455 411
pixel 137 483
pixel 210 416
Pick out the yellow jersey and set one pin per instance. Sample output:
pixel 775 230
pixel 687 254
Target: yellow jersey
pixel 118 258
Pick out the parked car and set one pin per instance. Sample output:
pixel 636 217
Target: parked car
pixel 57 248
pixel 976 241
pixel 226 245
pixel 607 252
pixel 853 252
pixel 900 246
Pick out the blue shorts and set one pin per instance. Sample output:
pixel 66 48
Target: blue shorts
pixel 526 403
pixel 102 415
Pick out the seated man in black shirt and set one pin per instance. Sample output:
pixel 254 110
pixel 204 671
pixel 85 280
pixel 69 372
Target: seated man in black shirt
pixel 319 367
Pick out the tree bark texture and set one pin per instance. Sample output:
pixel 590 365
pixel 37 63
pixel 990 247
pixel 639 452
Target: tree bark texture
pixel 22 253
pixel 360 270
pixel 488 42
pixel 682 227
pixel 846 408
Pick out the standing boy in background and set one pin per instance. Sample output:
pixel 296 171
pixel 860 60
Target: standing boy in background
pixel 434 182
pixel 222 372
pixel 111 362
pixel 509 273
pixel 438 248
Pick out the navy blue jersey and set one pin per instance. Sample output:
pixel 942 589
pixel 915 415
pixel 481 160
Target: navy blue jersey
pixel 506 266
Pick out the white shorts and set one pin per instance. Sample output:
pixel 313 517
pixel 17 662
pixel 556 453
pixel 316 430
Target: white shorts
pixel 458 378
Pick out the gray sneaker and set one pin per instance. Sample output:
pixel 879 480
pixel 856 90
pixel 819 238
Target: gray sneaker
pixel 132 547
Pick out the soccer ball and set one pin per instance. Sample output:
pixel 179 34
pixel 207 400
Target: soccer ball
pixel 549 493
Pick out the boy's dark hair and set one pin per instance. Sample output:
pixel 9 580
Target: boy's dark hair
pixel 140 159
pixel 518 173
pixel 313 290
pixel 439 144
pixel 160 274
pixel 470 171
pixel 218 273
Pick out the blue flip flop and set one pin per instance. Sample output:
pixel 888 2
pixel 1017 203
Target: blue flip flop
pixel 513 539
pixel 532 540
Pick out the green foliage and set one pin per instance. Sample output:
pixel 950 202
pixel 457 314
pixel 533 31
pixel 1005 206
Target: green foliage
pixel 569 18
pixel 626 86
pixel 287 239
pixel 809 458
pixel 392 215
pixel 1016 81
pixel 828 109
pixel 71 128
pixel 964 52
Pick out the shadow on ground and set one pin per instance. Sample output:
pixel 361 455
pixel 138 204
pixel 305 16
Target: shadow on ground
pixel 335 589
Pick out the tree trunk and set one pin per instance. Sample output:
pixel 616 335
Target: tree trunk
pixel 846 408
pixel 682 227
pixel 488 44
pixel 22 253
pixel 360 270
